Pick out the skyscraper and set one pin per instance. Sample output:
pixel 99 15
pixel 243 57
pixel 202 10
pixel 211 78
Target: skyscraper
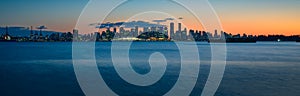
pixel 31 37
pixel 222 35
pixel 216 34
pixel 179 27
pixel 136 31
pixel 172 32
pixel 115 30
pixel 146 29
pixel 179 31
pixel 75 35
pixel 184 34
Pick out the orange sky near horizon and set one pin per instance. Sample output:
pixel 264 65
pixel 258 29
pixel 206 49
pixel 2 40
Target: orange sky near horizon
pixel 276 18
pixel 259 17
pixel 275 25
pixel 262 25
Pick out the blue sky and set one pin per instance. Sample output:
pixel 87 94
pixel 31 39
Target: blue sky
pixel 57 14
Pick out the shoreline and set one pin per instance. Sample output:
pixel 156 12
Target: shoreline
pixel 144 41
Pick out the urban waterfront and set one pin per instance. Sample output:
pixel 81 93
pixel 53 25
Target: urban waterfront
pixel 150 48
pixel 46 69
pixel 149 33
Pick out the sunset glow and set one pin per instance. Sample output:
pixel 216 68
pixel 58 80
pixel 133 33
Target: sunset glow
pixel 256 17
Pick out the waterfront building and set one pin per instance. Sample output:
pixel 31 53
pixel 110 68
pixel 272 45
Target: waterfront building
pixel 172 30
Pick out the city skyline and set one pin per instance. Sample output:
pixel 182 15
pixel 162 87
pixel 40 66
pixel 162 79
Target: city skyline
pixel 238 17
pixel 143 32
pixel 171 26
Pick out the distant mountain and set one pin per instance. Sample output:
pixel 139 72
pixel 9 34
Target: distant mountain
pixel 23 31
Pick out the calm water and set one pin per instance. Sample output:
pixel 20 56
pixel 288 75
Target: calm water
pixel 46 69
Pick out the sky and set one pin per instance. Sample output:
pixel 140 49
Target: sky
pixel 256 17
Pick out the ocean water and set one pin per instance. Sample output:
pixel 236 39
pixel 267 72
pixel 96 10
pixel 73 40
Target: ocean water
pixel 46 69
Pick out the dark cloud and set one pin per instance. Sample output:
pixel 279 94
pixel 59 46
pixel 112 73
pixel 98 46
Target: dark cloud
pixel 170 19
pixel 41 27
pixel 131 24
pixel 109 24
pixel 159 21
pixel 94 24
pixel 127 24
pixel 165 20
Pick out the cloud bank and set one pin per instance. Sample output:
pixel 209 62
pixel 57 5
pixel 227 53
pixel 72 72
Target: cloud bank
pixel 132 24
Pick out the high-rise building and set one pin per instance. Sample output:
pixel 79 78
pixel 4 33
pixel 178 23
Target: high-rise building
pixel 205 35
pixel 31 32
pixel 161 29
pixel 216 34
pixel 75 35
pixel 146 29
pixel 153 28
pixel 184 34
pixel 177 35
pixel 191 35
pixel 172 32
pixel 41 37
pixel 115 30
pixel 121 30
pixel 166 31
pixel 132 32
pixel 97 36
pixel 31 36
pixel 136 31
pixel 179 27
